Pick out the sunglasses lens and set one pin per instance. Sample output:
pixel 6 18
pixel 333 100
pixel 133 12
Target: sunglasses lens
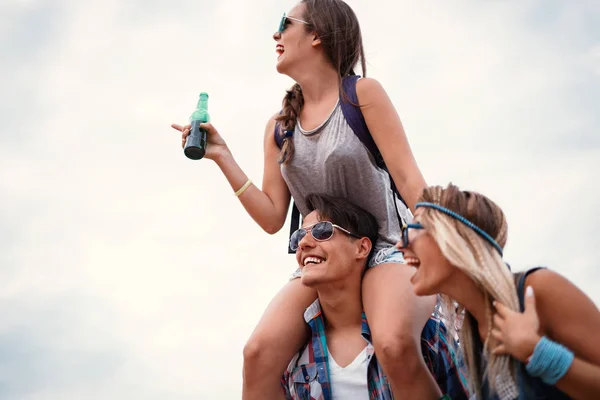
pixel 281 24
pixel 322 230
pixel 296 238
pixel 404 240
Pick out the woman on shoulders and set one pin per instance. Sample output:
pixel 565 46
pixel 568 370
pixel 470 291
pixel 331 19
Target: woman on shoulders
pixel 310 146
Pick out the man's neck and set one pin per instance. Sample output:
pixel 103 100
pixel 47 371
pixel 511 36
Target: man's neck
pixel 341 306
pixel 342 310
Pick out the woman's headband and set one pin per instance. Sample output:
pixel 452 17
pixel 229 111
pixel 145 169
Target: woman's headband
pixel 465 221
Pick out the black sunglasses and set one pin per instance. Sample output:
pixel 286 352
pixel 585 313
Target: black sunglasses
pixel 405 230
pixel 321 231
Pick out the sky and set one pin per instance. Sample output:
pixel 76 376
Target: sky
pixel 128 271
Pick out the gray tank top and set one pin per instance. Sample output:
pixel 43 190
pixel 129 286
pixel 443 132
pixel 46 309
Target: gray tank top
pixel 332 160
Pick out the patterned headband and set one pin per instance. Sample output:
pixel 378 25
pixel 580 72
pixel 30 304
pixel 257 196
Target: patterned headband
pixel 465 221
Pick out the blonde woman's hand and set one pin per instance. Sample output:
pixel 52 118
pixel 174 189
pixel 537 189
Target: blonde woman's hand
pixel 216 147
pixel 517 333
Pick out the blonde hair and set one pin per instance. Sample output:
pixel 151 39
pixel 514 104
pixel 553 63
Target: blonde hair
pixel 479 260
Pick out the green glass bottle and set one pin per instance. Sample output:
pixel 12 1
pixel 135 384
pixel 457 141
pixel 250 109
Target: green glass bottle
pixel 195 144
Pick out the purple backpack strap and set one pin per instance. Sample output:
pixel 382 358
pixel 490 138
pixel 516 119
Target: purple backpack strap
pixel 277 134
pixel 295 217
pixel 354 117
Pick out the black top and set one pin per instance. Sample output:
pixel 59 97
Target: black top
pixel 530 388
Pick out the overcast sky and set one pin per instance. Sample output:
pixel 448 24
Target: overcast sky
pixel 128 271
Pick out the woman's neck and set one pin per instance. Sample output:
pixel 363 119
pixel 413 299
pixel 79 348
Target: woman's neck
pixel 319 84
pixel 462 289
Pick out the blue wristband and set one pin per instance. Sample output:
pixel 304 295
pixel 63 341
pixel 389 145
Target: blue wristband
pixel 550 361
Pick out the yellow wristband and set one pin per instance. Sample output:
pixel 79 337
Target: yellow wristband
pixel 243 188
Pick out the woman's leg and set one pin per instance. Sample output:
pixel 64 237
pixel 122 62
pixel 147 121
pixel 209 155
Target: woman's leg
pixel 396 317
pixel 279 334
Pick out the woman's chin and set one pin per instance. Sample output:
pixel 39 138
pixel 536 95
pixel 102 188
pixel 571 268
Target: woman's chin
pixel 419 287
pixel 417 290
pixel 281 65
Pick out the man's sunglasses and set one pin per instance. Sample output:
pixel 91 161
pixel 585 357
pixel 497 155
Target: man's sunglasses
pixel 405 232
pixel 284 22
pixel 321 231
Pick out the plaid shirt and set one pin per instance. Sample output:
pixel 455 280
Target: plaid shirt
pixel 307 375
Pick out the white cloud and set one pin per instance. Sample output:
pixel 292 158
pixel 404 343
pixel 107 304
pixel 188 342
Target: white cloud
pixel 121 253
pixel 592 58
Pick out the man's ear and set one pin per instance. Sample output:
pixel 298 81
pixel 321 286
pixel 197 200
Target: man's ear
pixel 364 248
pixel 316 41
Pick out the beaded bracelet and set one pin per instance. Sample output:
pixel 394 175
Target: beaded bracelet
pixel 550 361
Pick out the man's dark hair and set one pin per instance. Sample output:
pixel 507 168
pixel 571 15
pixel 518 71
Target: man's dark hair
pixel 345 214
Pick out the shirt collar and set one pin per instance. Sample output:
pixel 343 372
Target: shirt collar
pixel 314 311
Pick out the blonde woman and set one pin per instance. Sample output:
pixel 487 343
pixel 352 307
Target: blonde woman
pixel 532 335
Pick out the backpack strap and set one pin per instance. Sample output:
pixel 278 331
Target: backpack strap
pixel 277 134
pixel 355 119
pixel 521 286
pixel 354 116
pixel 295 218
pixel 294 224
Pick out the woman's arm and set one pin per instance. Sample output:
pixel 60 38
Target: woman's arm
pixel 565 315
pixel 387 131
pixel 269 206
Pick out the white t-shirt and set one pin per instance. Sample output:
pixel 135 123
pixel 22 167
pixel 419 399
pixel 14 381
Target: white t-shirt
pixel 350 382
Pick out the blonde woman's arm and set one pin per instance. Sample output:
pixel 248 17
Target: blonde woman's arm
pixel 558 310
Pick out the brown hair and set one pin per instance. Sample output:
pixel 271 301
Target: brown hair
pixel 337 27
pixel 344 213
pixel 481 262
